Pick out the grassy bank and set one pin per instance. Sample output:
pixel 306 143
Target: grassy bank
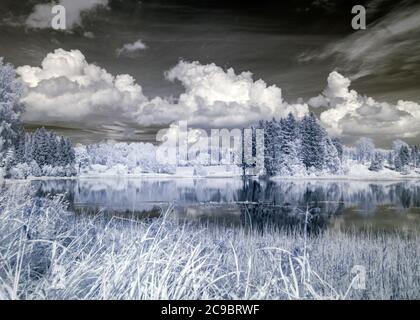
pixel 47 252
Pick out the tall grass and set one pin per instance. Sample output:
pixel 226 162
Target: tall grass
pixel 47 252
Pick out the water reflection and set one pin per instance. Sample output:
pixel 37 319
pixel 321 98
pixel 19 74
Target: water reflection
pixel 250 202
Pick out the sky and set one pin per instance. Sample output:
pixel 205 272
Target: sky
pixel 123 69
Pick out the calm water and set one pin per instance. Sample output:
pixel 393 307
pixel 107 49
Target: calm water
pixel 332 204
pixel 339 205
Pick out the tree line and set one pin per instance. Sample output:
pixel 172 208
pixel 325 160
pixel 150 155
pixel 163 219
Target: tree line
pixel 23 154
pixel 401 158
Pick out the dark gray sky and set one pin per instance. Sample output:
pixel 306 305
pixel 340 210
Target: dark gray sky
pixel 291 44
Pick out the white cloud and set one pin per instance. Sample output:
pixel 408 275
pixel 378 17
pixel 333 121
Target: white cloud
pixel 221 98
pixel 41 16
pixel 130 48
pixel 350 113
pixel 67 88
pixel 386 47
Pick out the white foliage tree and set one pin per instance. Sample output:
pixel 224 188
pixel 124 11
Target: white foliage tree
pixel 365 150
pixel 11 109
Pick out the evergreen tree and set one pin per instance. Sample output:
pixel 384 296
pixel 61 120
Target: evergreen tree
pixel 28 155
pixel 339 147
pixel 20 150
pixel 48 149
pixel 397 162
pixel 288 160
pixel 69 151
pixel 402 159
pixel 313 151
pixel 397 144
pixel 54 154
pixel 35 169
pixel 414 156
pixel 377 163
pixel 269 145
pixel 41 147
pixel 332 163
pixel 418 158
pixel 405 156
pixel 295 147
pixel 248 150
pixel 391 158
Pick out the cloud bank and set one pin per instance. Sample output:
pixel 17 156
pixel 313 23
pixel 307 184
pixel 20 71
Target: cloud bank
pixel 41 16
pixel 223 98
pixel 68 88
pixel 350 113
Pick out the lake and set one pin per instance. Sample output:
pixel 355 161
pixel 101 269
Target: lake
pixel 345 204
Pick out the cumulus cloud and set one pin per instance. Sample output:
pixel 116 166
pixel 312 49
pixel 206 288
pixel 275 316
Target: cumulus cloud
pixel 41 16
pixel 130 48
pixel 67 88
pixel 226 99
pixel 350 113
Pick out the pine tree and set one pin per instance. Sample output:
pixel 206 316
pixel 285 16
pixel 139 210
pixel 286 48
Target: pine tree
pixel 41 147
pixel 313 150
pixel 402 159
pixel 28 155
pixel 248 150
pixel 269 146
pixel 58 160
pixel 295 147
pixel 61 158
pixel 405 155
pixel 287 153
pixel 53 156
pixel 35 169
pixel 20 150
pixel 414 156
pixel 339 147
pixel 418 158
pixel 69 152
pixel 332 163
pixel 397 162
pixel 377 163
pixel 391 158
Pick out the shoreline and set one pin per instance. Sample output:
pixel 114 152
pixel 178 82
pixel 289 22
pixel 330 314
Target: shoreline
pixel 233 177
